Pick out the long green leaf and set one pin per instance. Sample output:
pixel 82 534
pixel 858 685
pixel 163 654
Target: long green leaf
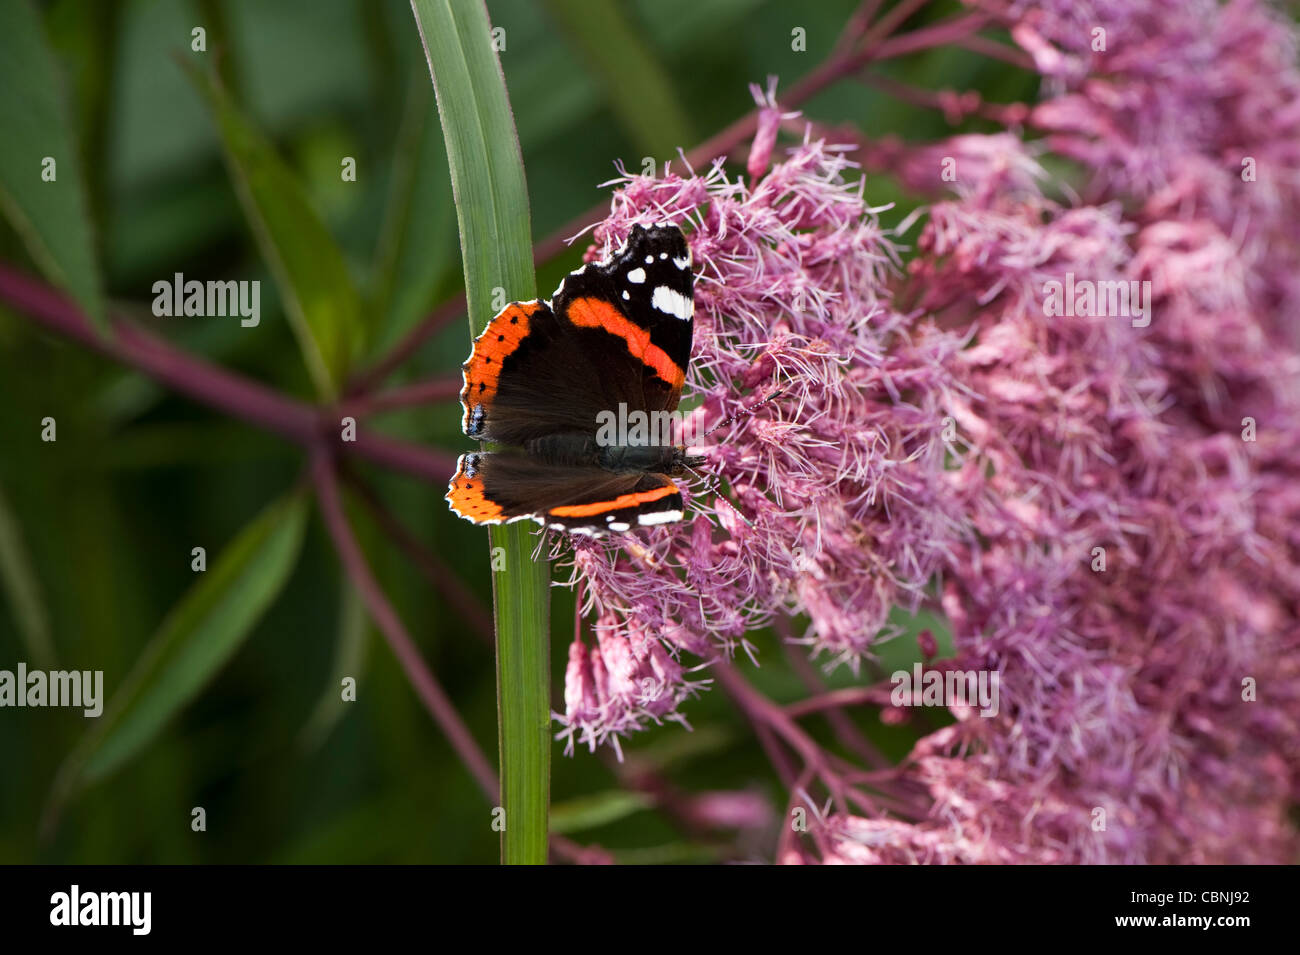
pixel 487 177
pixel 196 639
pixel 52 217
pixel 322 302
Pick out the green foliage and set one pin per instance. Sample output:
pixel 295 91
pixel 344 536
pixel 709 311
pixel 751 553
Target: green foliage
pixel 639 89
pixel 598 809
pixel 198 637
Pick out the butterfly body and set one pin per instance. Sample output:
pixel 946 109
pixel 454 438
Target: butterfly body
pixel 583 450
pixel 614 340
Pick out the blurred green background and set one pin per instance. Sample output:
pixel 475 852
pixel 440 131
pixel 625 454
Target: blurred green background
pixel 97 528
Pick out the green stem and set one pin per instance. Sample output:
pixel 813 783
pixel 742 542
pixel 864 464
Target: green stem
pixel 487 176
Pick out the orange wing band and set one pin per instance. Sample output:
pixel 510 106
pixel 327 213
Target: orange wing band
pixel 620 502
pixel 594 313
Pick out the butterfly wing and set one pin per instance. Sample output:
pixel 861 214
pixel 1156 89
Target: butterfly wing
pixel 502 487
pixel 643 300
pixel 618 333
pixel 530 375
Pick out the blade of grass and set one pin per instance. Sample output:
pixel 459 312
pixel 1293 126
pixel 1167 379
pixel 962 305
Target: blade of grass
pixel 51 217
pixel 198 637
pixel 323 304
pixel 487 176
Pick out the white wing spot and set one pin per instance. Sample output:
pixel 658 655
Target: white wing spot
pixel 683 264
pixel 663 255
pixel 649 259
pixel 627 296
pixel 673 302
pixel 636 276
pixel 658 517
pixel 620 526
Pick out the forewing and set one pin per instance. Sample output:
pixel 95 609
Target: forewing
pixel 642 297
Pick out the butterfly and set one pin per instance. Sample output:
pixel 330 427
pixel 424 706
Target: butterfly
pixel 551 380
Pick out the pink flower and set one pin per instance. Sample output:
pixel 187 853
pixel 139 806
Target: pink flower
pixel 622 682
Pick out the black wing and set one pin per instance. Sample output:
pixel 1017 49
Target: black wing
pixel 618 333
pixel 531 374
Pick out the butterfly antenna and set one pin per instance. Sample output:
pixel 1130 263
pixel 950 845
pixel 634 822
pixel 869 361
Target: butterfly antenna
pixel 712 483
pixel 743 414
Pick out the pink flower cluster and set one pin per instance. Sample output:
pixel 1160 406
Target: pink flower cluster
pixel 1107 511
pixel 828 465
pixel 1154 709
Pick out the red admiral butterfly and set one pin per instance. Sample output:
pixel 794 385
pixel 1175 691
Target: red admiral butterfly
pixel 615 335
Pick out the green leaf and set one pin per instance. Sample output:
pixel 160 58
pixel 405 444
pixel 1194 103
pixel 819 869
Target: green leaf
pixel 23 589
pixel 588 812
pixel 51 217
pixel 320 298
pixel 637 86
pixel 197 638
pixel 487 179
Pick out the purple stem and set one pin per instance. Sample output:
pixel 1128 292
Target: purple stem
pixel 763 712
pixel 234 394
pixel 445 388
pixel 844 728
pixel 833 700
pixel 407 346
